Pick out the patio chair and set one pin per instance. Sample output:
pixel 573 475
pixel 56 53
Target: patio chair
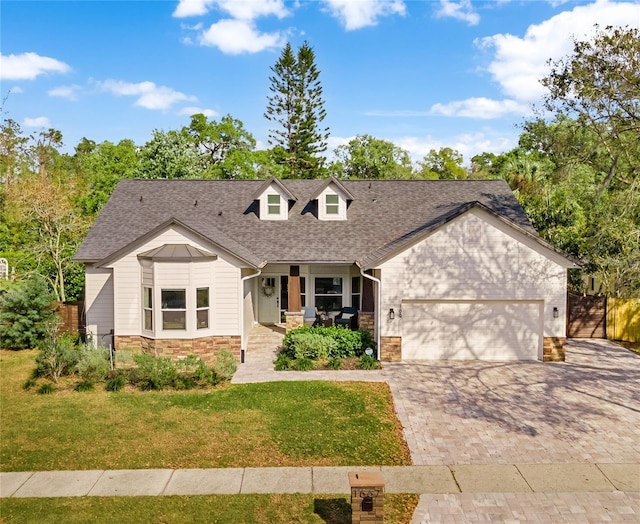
pixel 312 317
pixel 348 317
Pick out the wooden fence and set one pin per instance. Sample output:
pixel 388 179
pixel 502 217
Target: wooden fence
pixel 72 316
pixel 623 319
pixel 586 316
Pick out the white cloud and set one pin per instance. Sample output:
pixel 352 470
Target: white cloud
pixel 40 121
pixel 245 10
pixel 70 92
pixel 150 96
pixel 235 37
pixel 187 8
pixel 468 144
pixel 358 14
pixel 16 90
pixel 461 10
pixel 28 66
pixel 481 107
pixel 519 63
pixel 188 111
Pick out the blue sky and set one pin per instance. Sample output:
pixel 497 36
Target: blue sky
pixel 422 74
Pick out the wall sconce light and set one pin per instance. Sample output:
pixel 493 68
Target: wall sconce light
pixel 392 314
pixel 555 312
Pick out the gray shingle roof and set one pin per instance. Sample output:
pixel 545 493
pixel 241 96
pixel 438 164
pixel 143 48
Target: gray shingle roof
pixel 383 215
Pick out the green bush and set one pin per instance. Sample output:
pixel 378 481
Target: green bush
pixel 224 366
pixel 93 363
pixel 192 372
pixel 45 389
pixel 344 342
pixel 154 373
pixel 85 385
pixel 367 362
pixel 282 362
pixel 24 311
pixel 28 384
pixel 302 364
pixel 313 345
pixel 57 355
pixel 116 382
pixel 334 363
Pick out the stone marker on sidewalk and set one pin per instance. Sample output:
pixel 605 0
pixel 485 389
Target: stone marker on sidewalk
pixel 367 497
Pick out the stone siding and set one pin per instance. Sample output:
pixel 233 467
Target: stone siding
pixel 205 348
pixel 391 349
pixel 294 319
pixel 553 349
pixel 366 321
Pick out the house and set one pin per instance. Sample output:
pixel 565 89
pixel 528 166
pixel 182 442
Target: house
pixel 437 269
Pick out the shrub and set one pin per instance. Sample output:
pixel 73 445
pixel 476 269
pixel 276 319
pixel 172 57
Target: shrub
pixel 313 345
pixel 224 366
pixel 367 362
pixel 282 362
pixel 192 372
pixel 344 342
pixel 154 373
pixel 334 363
pixel 24 311
pixel 45 389
pixel 57 355
pixel 28 384
pixel 85 385
pixel 115 382
pixel 302 364
pixel 93 363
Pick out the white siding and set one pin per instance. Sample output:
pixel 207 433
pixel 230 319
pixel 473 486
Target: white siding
pixel 475 257
pixel 221 275
pixel 332 189
pixel 99 301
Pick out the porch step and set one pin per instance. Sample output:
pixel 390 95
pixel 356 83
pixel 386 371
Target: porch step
pixel 265 338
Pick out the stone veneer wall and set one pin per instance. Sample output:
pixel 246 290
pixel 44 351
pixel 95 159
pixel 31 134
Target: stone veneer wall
pixel 391 349
pixel 366 321
pixel 205 348
pixel 553 349
pixel 294 319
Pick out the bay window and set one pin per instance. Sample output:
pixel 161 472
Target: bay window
pixel 174 309
pixel 202 307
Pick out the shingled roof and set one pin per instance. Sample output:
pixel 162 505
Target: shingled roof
pixel 383 215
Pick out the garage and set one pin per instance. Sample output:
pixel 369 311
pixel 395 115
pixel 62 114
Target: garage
pixel 472 330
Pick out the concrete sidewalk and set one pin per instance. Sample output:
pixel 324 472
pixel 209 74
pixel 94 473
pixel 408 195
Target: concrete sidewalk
pixel 471 479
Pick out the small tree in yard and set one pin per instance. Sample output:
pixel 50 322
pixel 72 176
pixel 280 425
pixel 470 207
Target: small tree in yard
pixel 24 311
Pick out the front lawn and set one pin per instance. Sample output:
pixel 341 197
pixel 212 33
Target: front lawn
pixel 252 425
pixel 232 509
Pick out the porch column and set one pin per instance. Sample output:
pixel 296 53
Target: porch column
pixel 294 314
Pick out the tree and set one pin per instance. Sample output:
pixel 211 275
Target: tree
pixel 225 147
pixel 599 86
pixel 444 164
pixel 24 311
pixel 366 157
pixel 44 149
pixel 296 107
pixel 12 147
pixel 169 154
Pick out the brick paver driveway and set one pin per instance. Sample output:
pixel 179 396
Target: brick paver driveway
pixel 586 409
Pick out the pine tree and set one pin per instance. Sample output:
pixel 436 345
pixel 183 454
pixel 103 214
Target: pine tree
pixel 297 108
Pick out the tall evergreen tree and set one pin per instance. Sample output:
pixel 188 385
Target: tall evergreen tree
pixel 297 109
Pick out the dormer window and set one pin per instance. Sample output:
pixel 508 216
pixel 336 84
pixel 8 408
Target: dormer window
pixel 333 204
pixel 273 204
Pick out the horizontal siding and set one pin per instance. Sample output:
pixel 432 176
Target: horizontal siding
pixel 99 301
pixel 490 265
pixel 226 297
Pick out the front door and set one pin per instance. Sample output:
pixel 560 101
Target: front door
pixel 269 299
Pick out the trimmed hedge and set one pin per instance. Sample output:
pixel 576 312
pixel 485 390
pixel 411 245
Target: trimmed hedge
pixel 326 343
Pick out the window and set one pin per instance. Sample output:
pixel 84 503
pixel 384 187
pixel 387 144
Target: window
pixel 303 291
pixel 174 309
pixel 328 293
pixel 355 292
pixel 273 204
pixel 332 205
pixel 147 307
pixel 202 307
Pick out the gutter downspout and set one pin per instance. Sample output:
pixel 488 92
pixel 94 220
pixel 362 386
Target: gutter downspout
pixel 377 306
pixel 242 337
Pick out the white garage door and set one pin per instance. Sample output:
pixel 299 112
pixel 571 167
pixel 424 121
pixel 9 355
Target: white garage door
pixel 473 330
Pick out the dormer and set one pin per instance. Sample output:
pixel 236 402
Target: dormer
pixel 332 200
pixel 274 199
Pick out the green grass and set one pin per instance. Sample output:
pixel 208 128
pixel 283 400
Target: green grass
pixel 253 425
pixel 232 509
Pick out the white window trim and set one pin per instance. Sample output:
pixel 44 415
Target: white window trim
pixel 207 308
pixel 264 204
pixel 323 205
pixel 185 309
